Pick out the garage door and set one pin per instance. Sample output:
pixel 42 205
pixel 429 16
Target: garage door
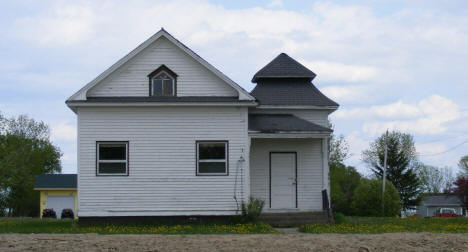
pixel 58 203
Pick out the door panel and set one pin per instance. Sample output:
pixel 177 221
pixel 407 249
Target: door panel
pixel 58 203
pixel 283 180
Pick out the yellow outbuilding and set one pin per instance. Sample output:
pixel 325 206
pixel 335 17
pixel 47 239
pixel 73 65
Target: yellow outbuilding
pixel 58 192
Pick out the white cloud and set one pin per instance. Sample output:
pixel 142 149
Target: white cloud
pixel 428 116
pixel 356 145
pixel 63 132
pixel 430 148
pixel 350 94
pixel 392 110
pixel 335 71
pixel 339 42
pixel 65 25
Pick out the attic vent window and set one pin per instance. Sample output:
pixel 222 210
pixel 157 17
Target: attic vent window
pixel 163 85
pixel 162 82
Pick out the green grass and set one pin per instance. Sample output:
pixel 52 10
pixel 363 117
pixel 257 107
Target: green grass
pixel 378 225
pixel 17 225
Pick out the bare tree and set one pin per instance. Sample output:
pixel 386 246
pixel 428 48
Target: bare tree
pixel 435 179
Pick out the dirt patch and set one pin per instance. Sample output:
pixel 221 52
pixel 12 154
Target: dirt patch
pixel 294 242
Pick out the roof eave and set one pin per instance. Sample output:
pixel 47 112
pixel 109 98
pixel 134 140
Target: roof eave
pixel 74 104
pixel 256 78
pixel 332 108
pixel 289 134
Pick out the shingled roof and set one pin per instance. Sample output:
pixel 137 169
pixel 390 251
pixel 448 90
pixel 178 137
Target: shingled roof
pixel 271 123
pixel 284 66
pixel 442 200
pixel 56 181
pixel 290 92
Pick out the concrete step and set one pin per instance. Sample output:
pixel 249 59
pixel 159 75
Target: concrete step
pixel 294 219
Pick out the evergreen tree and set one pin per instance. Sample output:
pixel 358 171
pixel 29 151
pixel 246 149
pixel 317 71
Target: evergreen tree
pixel 401 157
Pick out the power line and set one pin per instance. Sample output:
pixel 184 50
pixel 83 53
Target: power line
pixel 443 152
pixel 438 140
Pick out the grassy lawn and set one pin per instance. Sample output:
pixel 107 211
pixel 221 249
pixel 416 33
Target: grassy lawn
pixel 377 225
pixel 16 225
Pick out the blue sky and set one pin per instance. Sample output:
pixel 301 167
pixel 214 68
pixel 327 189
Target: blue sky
pixel 389 64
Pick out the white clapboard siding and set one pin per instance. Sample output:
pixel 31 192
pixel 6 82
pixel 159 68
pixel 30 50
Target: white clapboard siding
pixel 162 163
pixel 131 79
pixel 317 116
pixel 309 170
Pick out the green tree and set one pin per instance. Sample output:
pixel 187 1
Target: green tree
pixel 343 182
pixel 400 165
pixel 367 199
pixel 463 164
pixel 25 152
pixel 339 148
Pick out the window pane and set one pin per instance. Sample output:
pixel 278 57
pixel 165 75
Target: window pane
pixel 112 152
pixel 112 168
pixel 211 150
pixel 167 90
pixel 157 87
pixel 211 167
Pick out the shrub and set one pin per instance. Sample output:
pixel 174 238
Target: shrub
pixel 343 182
pixel 67 213
pixel 339 218
pixel 368 199
pixel 252 210
pixel 49 213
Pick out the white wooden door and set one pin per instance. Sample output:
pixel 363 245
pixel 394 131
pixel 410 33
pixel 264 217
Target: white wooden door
pixel 283 180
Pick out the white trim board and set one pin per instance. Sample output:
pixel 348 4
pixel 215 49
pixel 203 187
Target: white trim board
pixel 289 135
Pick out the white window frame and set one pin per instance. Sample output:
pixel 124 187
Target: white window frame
pixel 162 85
pixel 98 161
pixel 225 160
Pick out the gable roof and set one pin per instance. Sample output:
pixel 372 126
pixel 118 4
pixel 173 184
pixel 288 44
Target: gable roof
pixel 291 92
pixel 284 66
pixel 442 200
pixel 81 94
pixel 271 123
pixel 56 181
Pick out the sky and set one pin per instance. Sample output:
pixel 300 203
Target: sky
pixel 398 65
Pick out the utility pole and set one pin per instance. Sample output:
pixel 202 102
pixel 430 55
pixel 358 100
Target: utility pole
pixel 384 177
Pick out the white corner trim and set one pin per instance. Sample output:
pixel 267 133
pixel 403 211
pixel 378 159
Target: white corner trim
pixel 81 94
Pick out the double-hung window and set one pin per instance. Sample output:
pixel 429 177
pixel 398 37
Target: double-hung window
pixel 212 157
pixel 112 158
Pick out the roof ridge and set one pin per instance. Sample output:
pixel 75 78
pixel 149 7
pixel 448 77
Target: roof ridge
pixel 284 66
